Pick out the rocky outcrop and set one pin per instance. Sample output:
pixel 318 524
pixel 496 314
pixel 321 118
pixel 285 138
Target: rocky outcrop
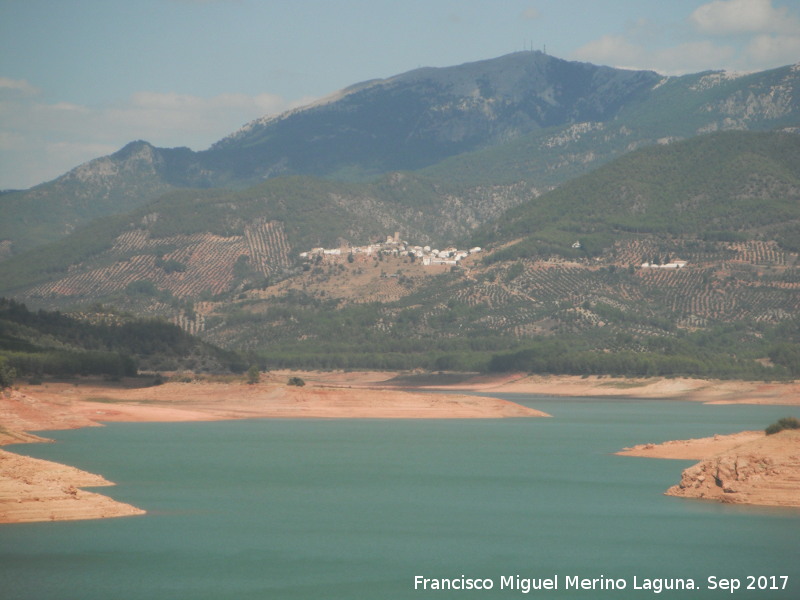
pixel 741 468
pixel 763 472
pixel 723 475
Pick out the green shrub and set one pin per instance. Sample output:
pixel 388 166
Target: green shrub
pixel 183 377
pixel 253 375
pixel 7 374
pixel 781 424
pixel 296 381
pixel 170 265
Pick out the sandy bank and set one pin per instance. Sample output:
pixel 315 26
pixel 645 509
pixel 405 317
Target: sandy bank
pixel 376 395
pixel 58 406
pixel 40 490
pixel 36 490
pixel 743 468
pixel 696 449
pixel 698 390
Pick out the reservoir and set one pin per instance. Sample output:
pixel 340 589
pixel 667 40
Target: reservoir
pixel 361 509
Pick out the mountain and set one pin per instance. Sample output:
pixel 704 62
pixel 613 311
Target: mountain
pixel 113 184
pixel 561 286
pixel 419 118
pixel 675 108
pixel 679 259
pixel 630 224
pixel 727 204
pixel 522 118
pixel 721 187
pixel 268 224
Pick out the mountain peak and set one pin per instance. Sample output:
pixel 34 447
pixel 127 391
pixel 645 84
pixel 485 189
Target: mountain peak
pixel 541 119
pixel 135 149
pixel 417 118
pixel 508 79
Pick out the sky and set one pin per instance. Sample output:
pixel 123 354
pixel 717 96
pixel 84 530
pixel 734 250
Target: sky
pixel 81 78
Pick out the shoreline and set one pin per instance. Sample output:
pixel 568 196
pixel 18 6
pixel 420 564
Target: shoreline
pixel 709 391
pixel 34 490
pixel 749 467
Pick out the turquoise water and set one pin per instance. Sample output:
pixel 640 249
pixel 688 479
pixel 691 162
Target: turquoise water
pixel 351 509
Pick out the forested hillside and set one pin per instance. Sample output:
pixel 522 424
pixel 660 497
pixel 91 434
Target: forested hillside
pixel 38 343
pixel 733 186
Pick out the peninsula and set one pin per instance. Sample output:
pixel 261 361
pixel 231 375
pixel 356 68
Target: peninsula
pixel 39 490
pixel 742 468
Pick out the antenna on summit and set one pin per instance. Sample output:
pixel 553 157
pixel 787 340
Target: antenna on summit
pixel 545 49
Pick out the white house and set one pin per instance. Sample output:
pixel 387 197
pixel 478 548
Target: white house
pixel 675 264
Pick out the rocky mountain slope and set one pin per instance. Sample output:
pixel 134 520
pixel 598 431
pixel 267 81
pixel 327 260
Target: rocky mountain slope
pixel 418 118
pixel 523 118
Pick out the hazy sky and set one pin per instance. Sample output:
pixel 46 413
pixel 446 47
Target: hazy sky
pixel 81 78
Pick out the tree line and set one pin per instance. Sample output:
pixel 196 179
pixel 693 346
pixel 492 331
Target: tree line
pixel 38 343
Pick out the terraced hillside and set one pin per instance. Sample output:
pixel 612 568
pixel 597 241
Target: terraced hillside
pixel 201 263
pixel 709 248
pixel 726 282
pixel 392 313
pixel 686 254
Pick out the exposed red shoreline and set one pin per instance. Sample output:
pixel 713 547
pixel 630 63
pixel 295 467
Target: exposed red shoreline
pixel 742 468
pixel 32 490
pixel 37 490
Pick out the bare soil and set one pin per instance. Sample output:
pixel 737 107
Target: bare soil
pixel 743 468
pixel 37 490
pixel 34 490
pixel 698 390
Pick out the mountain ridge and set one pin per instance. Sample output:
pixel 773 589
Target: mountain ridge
pixel 509 79
pixel 554 119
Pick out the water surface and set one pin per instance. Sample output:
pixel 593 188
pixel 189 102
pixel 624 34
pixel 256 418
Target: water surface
pixel 351 509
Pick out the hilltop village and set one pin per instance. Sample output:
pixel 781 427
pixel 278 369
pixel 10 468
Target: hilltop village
pixel 393 246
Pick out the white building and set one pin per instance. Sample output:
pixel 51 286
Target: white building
pixel 675 264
